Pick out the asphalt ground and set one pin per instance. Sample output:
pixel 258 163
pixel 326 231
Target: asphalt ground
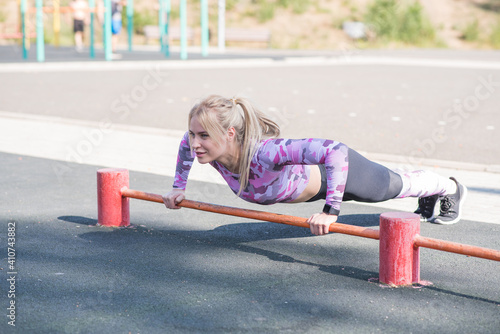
pixel 193 272
pixel 186 271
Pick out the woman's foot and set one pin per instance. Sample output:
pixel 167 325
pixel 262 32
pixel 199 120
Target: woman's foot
pixel 451 206
pixel 426 207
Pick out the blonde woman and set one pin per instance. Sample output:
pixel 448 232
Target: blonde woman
pixel 242 144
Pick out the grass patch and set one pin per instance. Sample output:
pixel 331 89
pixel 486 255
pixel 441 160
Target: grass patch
pixel 471 31
pixel 231 4
pixel 495 36
pixel 265 11
pixel 393 21
pixel 297 6
pixel 142 19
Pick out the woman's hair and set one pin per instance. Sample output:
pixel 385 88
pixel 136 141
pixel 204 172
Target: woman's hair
pixel 217 115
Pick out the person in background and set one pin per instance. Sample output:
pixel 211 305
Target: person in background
pixel 80 11
pixel 116 23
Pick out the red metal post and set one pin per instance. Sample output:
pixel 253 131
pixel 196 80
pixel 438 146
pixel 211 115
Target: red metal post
pixel 399 258
pixel 112 208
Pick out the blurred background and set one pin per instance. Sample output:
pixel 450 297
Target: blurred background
pixel 457 24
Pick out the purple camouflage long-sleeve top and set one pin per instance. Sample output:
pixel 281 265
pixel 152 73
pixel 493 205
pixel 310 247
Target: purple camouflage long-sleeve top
pixel 279 170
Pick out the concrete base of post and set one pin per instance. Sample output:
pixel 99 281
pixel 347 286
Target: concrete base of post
pixel 112 207
pixel 399 258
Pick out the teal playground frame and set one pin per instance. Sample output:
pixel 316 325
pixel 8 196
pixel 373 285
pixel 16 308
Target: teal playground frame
pixel 163 22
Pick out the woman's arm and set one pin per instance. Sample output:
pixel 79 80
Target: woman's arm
pixel 184 163
pixel 334 155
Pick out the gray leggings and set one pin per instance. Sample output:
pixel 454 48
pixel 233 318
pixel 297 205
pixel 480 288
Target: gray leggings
pixel 367 181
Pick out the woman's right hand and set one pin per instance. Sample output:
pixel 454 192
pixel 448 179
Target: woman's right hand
pixel 172 198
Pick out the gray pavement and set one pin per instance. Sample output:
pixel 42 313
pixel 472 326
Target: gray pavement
pixel 420 110
pixel 193 272
pixel 186 271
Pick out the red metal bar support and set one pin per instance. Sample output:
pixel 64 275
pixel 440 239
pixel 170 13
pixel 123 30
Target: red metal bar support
pixel 399 262
pixel 112 207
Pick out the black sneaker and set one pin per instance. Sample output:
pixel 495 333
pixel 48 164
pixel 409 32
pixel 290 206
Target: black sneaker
pixel 451 206
pixel 426 207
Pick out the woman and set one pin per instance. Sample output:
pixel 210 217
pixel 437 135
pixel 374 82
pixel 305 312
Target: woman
pixel 241 143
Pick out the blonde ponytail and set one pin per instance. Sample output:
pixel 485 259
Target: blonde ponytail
pixel 217 115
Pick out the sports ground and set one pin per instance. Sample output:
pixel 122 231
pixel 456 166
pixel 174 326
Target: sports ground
pixel 188 271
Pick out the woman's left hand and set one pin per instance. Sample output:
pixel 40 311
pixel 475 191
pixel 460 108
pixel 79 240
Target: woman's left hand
pixel 320 223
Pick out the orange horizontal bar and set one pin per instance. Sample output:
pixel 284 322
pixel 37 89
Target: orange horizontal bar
pixel 254 214
pixel 454 247
pixel 442 245
pixel 14 35
pixel 61 10
pixel 419 241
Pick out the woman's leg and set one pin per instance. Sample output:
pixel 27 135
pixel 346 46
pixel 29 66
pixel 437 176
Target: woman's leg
pixel 431 187
pixel 424 183
pixel 368 181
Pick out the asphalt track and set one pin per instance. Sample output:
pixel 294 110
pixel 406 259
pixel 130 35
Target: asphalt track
pixel 421 104
pixel 192 272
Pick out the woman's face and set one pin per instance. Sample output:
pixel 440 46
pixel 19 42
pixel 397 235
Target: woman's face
pixel 206 149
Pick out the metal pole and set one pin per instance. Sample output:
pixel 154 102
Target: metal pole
pixel 130 22
pixel 221 37
pixel 23 28
pixel 161 24
pixel 453 247
pixel 92 8
pixel 419 241
pixel 204 28
pixel 40 43
pixel 254 214
pixel 183 17
pixel 107 30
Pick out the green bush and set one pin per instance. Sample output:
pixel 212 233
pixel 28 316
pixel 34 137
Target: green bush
pixel 414 26
pixel 471 31
pixel 298 6
pixel 495 36
pixel 3 15
pixel 265 11
pixel 230 4
pixel 382 18
pixel 142 19
pixel 392 21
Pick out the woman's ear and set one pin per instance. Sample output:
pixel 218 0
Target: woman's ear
pixel 231 134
